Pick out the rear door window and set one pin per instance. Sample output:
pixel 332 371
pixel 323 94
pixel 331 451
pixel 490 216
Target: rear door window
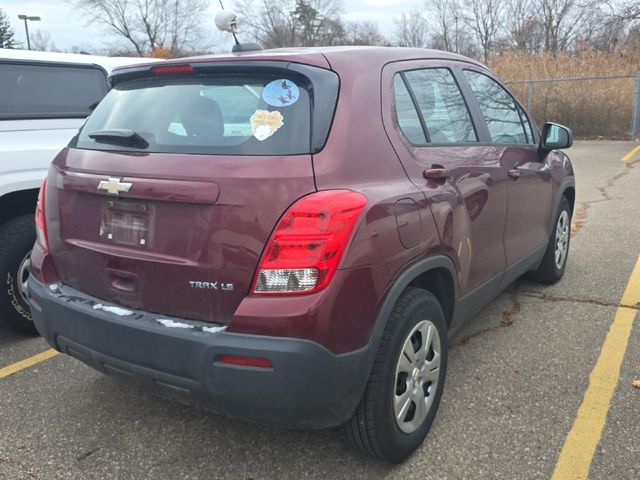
pixel 441 105
pixel 231 114
pixel 499 109
pixel 29 90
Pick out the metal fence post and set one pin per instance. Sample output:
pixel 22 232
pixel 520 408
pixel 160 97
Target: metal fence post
pixel 635 119
pixel 529 97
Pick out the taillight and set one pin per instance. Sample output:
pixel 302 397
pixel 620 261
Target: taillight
pixel 305 248
pixel 41 223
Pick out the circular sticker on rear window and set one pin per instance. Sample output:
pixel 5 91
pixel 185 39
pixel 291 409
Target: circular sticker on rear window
pixel 281 93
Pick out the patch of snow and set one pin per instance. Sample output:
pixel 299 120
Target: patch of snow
pixel 167 322
pixel 213 329
pixel 121 312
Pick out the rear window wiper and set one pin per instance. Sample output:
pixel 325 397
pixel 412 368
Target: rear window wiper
pixel 119 136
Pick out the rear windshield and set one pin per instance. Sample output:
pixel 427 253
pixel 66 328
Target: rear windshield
pixel 226 114
pixel 49 91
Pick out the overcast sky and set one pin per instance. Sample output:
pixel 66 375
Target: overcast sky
pixel 69 30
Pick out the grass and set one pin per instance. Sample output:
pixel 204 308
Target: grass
pixel 591 108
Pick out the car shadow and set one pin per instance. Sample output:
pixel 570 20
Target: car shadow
pixel 10 335
pixel 175 438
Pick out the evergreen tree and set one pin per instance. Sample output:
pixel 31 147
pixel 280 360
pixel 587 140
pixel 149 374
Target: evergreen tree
pixel 7 39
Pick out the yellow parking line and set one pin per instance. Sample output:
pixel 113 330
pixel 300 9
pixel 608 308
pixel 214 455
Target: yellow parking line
pixel 576 454
pixel 27 362
pixel 628 156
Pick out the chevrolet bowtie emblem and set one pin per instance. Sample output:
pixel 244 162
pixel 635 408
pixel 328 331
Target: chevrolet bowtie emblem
pixel 114 186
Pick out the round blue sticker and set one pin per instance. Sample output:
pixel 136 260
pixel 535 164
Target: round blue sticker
pixel 281 93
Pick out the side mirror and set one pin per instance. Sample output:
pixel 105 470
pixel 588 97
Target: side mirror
pixel 555 137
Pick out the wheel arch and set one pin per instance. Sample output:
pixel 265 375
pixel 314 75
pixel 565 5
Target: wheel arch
pixel 567 190
pixel 15 204
pixel 436 274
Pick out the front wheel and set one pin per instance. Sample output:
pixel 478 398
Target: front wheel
pixel 404 390
pixel 554 262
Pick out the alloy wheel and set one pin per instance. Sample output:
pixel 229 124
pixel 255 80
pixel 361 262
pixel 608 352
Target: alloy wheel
pixel 23 276
pixel 562 239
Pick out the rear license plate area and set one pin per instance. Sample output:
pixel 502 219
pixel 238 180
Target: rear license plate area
pixel 126 222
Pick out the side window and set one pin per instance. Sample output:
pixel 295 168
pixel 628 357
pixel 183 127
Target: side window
pixel 408 119
pixel 499 110
pixel 441 105
pixel 49 90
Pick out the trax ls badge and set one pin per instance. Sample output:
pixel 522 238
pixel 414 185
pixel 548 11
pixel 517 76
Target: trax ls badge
pixel 212 285
pixel 114 186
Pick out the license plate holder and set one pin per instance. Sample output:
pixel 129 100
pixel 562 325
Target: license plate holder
pixel 127 223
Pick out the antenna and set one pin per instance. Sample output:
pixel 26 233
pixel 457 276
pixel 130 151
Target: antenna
pixel 232 24
pixel 227 21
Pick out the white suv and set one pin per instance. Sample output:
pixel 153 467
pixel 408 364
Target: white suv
pixel 44 99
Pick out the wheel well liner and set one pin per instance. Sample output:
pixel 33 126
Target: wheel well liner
pixel 15 204
pixel 439 282
pixel 570 193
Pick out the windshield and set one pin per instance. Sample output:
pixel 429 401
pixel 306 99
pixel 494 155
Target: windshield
pixel 208 114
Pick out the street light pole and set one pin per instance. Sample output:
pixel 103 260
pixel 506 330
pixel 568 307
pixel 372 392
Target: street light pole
pixel 27 18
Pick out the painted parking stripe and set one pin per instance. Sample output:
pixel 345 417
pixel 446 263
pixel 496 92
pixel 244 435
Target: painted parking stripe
pixel 628 156
pixel 580 445
pixel 27 362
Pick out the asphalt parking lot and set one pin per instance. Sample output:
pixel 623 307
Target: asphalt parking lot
pixel 516 384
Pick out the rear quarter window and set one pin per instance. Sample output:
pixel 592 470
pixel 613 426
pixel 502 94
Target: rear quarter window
pixel 243 114
pixel 49 90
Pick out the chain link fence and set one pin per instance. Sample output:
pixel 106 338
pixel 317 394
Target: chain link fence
pixel 593 107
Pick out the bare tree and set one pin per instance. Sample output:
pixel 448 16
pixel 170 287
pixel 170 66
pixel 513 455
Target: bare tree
pixel 41 40
pixel 622 9
pixel 448 28
pixel 411 30
pixel 484 18
pixel 364 33
pixel 147 25
pixel 289 23
pixel 561 21
pixel 523 29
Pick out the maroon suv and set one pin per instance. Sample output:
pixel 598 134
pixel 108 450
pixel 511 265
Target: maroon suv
pixel 291 236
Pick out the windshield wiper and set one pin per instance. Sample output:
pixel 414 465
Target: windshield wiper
pixel 119 136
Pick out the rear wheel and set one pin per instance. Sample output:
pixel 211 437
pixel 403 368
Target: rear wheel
pixel 554 262
pixel 17 237
pixel 404 390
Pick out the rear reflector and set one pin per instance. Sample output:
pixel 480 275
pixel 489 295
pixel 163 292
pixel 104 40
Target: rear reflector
pixel 169 69
pixel 305 248
pixel 41 223
pixel 246 361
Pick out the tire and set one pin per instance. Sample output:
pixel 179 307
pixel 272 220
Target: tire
pixel 17 237
pixel 550 270
pixel 373 428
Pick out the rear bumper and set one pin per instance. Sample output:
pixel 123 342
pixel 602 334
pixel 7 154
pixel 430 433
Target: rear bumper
pixel 307 387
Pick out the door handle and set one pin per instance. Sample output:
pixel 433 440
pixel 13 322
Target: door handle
pixel 436 173
pixel 515 173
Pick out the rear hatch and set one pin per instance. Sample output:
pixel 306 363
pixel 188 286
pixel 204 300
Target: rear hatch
pixel 168 195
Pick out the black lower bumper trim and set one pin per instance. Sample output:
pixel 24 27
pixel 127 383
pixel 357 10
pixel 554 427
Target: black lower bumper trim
pixel 308 386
